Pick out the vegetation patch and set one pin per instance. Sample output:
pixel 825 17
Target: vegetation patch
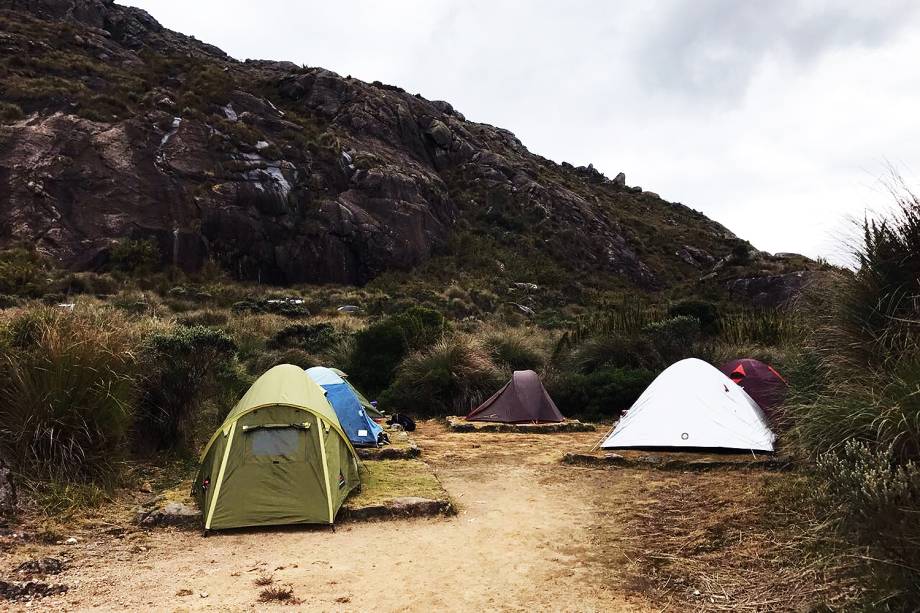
pixel 387 481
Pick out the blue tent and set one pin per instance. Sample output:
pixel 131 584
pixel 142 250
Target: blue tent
pixel 360 428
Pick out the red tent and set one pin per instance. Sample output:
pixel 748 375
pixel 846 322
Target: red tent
pixel 521 400
pixel 761 382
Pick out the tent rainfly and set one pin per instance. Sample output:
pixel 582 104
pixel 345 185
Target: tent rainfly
pixel 361 429
pixel 692 404
pixel 761 382
pixel 521 400
pixel 368 407
pixel 280 457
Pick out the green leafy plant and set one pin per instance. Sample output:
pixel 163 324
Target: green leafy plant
pixel 602 394
pixel 184 368
pixel 135 257
pixel 379 348
pixel 23 273
pixel 673 338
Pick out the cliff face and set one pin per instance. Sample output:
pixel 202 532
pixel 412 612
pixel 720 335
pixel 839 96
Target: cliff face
pixel 115 127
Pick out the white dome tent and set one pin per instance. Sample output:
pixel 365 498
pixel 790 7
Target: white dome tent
pixel 692 404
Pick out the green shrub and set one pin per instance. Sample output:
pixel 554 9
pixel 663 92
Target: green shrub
pixel 23 273
pixel 706 312
pixel 67 392
pixel 185 368
pixel 613 351
pixel 269 359
pixel 602 394
pixel 674 338
pixel 861 416
pixel 379 348
pixel 377 351
pixel 421 326
pixel 875 500
pixel 311 337
pixel 452 376
pixel 515 348
pixel 134 257
pixel 87 283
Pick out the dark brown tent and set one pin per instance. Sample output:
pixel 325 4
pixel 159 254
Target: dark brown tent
pixel 521 400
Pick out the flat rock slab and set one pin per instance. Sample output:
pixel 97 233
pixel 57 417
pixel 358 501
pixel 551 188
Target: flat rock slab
pixel 406 506
pixel 161 512
pixel 389 452
pixel 681 461
pixel 460 424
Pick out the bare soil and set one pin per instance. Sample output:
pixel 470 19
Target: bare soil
pixel 531 533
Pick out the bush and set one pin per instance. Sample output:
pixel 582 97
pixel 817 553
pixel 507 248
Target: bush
pixel 673 338
pixel 134 257
pixel 452 376
pixel 861 416
pixel 874 500
pixel 87 283
pixel 613 351
pixel 269 359
pixel 185 368
pixel 67 392
pixel 603 394
pixel 379 348
pixel 515 348
pixel 311 337
pixel 706 312
pixel 23 273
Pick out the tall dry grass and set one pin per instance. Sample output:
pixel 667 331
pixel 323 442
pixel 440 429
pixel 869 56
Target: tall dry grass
pixel 67 391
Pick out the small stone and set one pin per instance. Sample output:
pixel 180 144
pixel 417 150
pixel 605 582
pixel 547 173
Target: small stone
pixel 71 541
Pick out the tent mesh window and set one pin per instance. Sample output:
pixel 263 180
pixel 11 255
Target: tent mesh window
pixel 278 444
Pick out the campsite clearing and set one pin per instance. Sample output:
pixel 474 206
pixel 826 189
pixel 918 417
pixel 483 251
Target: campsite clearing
pixel 530 533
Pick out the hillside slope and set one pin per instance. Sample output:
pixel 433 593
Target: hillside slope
pixel 115 127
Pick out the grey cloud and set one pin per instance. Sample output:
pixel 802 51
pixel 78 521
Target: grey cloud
pixel 710 49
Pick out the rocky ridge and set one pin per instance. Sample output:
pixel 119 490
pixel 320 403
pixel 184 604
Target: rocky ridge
pixel 115 127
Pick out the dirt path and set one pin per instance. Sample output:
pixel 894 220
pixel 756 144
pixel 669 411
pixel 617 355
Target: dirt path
pixel 522 540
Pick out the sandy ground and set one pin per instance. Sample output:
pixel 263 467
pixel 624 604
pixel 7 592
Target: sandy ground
pixel 530 534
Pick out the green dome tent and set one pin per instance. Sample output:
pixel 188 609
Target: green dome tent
pixel 280 457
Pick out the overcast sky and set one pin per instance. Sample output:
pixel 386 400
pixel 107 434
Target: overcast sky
pixel 777 118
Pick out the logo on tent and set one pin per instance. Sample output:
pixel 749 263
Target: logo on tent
pixel 341 480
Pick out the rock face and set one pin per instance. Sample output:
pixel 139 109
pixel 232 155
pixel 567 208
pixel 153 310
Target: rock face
pixel 770 291
pixel 115 127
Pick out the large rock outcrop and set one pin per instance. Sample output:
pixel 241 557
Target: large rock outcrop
pixel 115 127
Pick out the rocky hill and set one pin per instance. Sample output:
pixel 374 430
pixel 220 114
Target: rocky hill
pixel 116 128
